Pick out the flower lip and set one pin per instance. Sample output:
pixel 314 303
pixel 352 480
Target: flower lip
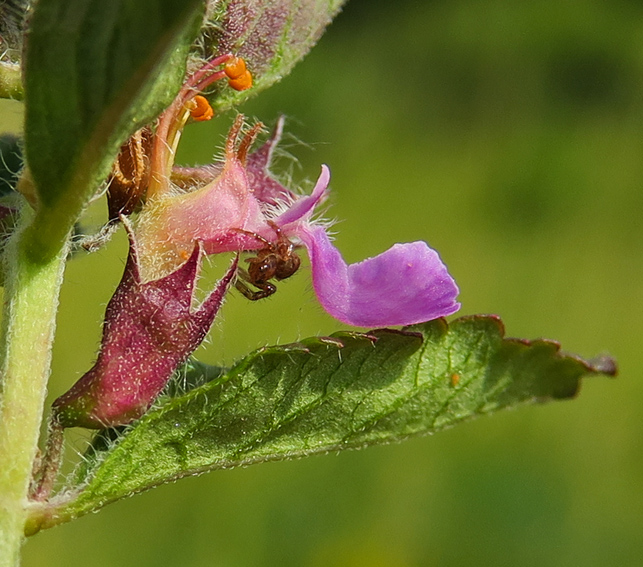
pixel 406 284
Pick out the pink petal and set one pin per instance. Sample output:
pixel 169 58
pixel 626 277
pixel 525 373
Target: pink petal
pixel 304 206
pixel 265 188
pixel 406 284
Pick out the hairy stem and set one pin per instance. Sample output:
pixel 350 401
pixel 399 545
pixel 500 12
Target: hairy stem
pixel 30 305
pixel 45 477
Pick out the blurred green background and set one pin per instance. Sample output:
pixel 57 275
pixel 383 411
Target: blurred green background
pixel 508 135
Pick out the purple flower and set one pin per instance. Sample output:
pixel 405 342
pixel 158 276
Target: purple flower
pixel 151 326
pixel 406 284
pixel 238 206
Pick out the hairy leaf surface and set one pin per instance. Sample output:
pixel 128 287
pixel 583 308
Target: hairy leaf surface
pixel 271 35
pixel 347 391
pixel 94 72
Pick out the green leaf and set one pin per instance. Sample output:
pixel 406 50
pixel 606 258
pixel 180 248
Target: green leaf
pixel 94 72
pixel 271 35
pixel 324 394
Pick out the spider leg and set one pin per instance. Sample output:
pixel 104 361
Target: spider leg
pixel 266 289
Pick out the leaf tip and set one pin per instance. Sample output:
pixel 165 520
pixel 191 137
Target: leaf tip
pixel 603 364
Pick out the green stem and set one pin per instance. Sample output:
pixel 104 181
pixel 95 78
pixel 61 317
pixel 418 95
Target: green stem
pixel 29 318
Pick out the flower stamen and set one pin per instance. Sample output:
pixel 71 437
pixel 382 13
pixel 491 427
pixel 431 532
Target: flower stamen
pixel 200 109
pixel 239 78
pixel 189 103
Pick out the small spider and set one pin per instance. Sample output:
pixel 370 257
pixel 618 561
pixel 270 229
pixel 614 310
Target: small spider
pixel 276 260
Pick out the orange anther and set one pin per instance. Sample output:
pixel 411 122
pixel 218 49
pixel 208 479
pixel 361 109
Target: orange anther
pixel 200 109
pixel 235 67
pixel 241 83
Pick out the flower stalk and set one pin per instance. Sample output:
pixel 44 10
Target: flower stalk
pixel 31 301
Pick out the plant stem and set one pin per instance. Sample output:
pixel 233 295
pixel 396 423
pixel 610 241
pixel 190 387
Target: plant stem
pixel 29 318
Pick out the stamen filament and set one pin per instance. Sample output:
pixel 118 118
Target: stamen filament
pixel 173 120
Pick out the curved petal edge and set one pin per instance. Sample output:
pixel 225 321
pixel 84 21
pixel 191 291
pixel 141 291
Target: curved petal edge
pixel 407 284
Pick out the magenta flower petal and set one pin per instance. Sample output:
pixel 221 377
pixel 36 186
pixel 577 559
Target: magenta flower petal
pixel 265 188
pixel 303 207
pixel 406 284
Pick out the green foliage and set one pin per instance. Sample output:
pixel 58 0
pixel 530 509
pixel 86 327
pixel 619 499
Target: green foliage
pixel 347 391
pixel 271 35
pixel 94 72
pixel 451 130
